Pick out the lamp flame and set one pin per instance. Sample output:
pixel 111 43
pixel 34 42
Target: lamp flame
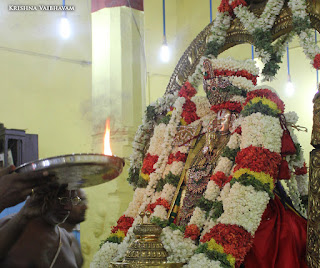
pixel 107 148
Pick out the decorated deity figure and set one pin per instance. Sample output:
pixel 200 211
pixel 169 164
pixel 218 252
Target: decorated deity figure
pixel 223 174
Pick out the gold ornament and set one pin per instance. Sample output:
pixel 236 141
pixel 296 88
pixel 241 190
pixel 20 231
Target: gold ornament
pixel 147 250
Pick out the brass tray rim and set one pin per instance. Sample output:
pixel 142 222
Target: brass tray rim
pixel 67 160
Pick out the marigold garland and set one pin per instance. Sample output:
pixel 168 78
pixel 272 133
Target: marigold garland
pixel 215 255
pixel 259 181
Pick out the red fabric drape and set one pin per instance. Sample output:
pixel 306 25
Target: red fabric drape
pixel 280 241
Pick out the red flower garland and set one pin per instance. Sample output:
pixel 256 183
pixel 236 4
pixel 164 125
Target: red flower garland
pixel 238 3
pixel 192 231
pixel 242 73
pixel 316 62
pixel 225 7
pixel 148 162
pixel 233 238
pixel 267 94
pixel 178 157
pixel 301 171
pixel 187 91
pixel 159 201
pixel 189 112
pixel 258 159
pixel 238 130
pixel 220 178
pixel 228 105
pixel 123 224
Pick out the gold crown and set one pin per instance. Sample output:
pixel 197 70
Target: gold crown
pixel 219 78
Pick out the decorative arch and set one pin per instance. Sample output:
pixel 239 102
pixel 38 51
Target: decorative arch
pixel 236 35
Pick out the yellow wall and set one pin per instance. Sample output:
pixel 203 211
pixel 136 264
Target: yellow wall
pixel 45 95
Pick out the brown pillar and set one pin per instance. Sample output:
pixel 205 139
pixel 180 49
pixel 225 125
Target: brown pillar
pixel 313 242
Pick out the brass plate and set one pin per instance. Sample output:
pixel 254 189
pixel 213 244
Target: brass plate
pixel 78 170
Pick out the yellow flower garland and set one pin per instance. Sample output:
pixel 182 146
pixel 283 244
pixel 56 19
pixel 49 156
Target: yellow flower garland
pixel 214 246
pixel 119 234
pixel 260 176
pixel 145 176
pixel 267 102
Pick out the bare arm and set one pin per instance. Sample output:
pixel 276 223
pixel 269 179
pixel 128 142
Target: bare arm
pixel 15 187
pixel 12 227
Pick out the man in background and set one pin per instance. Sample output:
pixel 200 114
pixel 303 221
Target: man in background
pixel 72 224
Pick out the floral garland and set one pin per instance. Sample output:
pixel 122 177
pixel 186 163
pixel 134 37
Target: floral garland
pixel 144 134
pixel 236 188
pixel 247 195
pixel 259 28
pixel 229 105
pixel 230 195
pixel 302 27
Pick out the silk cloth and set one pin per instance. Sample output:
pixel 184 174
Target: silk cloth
pixel 280 241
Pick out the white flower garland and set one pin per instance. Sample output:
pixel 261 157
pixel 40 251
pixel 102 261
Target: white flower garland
pixel 105 255
pixel 201 260
pixel 244 206
pixel 261 130
pixel 310 48
pixel 166 147
pixel 266 20
pixel 179 248
pixel 233 65
pixel 202 104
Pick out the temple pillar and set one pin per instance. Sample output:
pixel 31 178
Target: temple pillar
pixel 118 93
